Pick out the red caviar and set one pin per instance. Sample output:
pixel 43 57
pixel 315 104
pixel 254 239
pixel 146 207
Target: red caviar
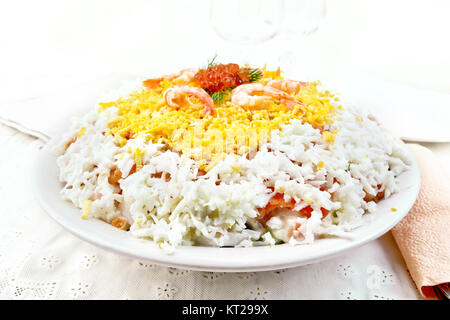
pixel 221 76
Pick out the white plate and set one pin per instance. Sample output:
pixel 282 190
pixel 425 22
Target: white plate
pixel 47 187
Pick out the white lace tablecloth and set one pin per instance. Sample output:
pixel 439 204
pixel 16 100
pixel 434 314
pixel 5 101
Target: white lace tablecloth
pixel 40 260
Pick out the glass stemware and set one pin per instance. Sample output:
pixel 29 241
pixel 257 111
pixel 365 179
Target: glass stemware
pixel 301 19
pixel 244 25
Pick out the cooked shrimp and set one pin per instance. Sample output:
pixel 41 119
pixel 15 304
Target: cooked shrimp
pixel 183 76
pixel 174 93
pixel 289 86
pixel 256 94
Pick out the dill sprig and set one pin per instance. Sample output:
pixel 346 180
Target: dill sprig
pixel 254 74
pixel 218 96
pixel 211 62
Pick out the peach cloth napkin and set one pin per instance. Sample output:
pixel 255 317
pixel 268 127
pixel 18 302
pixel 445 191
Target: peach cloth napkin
pixel 423 235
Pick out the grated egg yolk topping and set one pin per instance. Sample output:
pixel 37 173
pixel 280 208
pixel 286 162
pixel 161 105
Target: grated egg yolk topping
pixel 328 136
pixel 208 139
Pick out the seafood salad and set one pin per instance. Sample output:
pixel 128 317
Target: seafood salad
pixel 228 155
